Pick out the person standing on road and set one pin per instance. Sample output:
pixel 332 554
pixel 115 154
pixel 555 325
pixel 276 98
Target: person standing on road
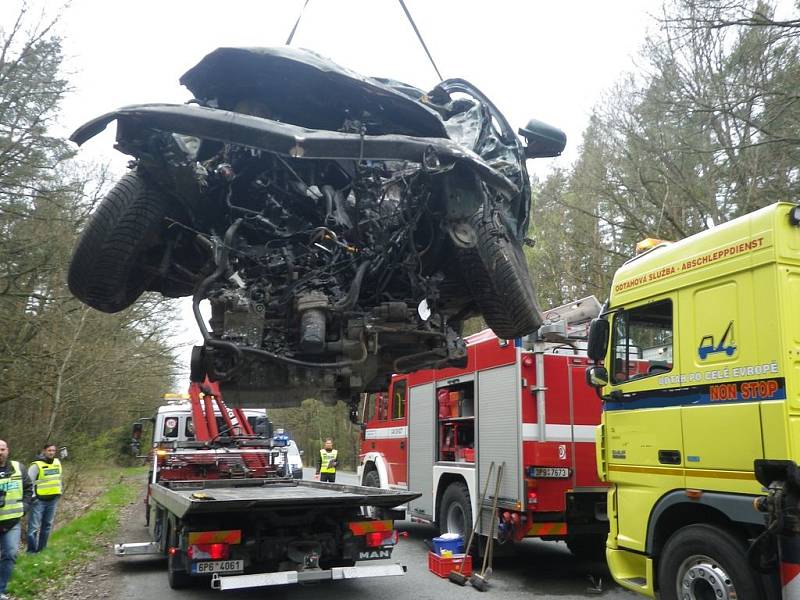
pixel 45 473
pixel 16 492
pixel 326 467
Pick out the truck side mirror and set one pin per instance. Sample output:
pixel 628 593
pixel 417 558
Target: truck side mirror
pixel 63 452
pixel 542 140
pixel 597 376
pixel 598 339
pixel 136 431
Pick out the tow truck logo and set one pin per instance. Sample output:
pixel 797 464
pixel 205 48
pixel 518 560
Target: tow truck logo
pixel 726 344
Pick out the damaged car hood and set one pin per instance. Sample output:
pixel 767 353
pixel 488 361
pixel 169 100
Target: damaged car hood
pixel 285 84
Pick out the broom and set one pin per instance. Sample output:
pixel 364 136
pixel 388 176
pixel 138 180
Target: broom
pixel 480 581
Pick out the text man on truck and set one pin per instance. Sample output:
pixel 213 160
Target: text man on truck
pixel 698 364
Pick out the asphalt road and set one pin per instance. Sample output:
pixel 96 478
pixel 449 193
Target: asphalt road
pixel 536 570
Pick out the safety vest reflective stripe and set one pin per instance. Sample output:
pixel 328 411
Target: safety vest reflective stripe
pixel 48 480
pixel 326 458
pixel 12 484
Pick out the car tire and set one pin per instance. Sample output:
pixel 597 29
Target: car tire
pixel 705 559
pixel 108 268
pixel 496 274
pixel 455 514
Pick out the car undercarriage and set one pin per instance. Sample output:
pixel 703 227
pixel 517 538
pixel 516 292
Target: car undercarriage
pixel 342 228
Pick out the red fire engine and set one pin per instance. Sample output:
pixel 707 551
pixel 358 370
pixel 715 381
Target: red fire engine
pixel 524 403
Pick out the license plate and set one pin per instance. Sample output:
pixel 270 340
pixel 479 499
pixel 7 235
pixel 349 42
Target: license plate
pixel 218 566
pixel 550 472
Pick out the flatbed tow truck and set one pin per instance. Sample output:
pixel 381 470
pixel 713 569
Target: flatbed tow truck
pixel 222 510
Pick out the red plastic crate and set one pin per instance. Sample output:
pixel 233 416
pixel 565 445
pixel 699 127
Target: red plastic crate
pixel 442 565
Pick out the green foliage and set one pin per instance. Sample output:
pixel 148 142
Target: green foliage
pixel 312 422
pixel 70 374
pixel 75 543
pixel 705 130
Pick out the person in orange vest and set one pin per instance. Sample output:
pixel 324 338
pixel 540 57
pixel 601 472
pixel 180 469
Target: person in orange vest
pixel 328 461
pixel 45 473
pixel 16 491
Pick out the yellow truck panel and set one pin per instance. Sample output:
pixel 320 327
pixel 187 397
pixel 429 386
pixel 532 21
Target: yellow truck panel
pixel 701 385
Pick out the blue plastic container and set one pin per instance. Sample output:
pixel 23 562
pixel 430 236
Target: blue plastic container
pixel 454 544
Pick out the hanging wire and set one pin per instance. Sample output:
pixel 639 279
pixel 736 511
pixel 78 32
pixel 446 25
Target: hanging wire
pixel 421 41
pixel 296 23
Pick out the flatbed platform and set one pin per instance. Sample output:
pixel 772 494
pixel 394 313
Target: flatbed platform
pixel 201 497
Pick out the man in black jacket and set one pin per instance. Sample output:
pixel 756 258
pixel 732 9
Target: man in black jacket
pixel 16 492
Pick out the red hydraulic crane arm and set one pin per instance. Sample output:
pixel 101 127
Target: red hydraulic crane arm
pixel 201 431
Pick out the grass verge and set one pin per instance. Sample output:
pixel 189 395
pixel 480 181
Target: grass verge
pixel 76 542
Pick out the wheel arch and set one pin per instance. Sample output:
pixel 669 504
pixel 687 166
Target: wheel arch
pixel 445 481
pixel 733 512
pixel 375 461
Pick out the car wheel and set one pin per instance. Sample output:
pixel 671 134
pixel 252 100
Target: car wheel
pixel 703 561
pixel 497 276
pixel 108 270
pixel 455 514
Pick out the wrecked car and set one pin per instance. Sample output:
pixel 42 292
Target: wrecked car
pixel 341 227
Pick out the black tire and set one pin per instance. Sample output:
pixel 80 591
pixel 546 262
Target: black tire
pixel 455 514
pixel 589 547
pixel 496 273
pixel 712 552
pixel 372 479
pixel 108 268
pixel 176 575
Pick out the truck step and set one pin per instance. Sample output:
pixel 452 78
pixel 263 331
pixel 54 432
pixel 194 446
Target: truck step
pixel 136 548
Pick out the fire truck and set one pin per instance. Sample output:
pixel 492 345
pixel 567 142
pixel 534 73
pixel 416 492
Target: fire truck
pixel 524 403
pixel 223 507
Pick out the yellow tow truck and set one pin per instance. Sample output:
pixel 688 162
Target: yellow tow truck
pixel 697 358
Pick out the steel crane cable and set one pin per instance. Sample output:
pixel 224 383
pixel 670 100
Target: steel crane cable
pixel 421 41
pixel 296 23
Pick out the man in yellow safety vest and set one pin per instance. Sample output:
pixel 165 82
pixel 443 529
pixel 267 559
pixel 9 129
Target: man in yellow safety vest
pixel 15 497
pixel 45 473
pixel 328 461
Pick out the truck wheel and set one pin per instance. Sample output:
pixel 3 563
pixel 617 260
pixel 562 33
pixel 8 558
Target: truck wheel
pixel 177 576
pixel 455 515
pixel 497 276
pixel 371 479
pixel 703 561
pixel 590 546
pixel 108 268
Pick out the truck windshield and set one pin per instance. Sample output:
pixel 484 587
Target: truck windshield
pixel 643 342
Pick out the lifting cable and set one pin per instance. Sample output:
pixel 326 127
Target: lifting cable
pixel 421 41
pixel 410 20
pixel 296 23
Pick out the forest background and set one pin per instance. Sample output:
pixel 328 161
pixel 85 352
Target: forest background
pixel 704 129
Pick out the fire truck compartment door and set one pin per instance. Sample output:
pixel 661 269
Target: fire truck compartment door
pixel 499 434
pixel 421 451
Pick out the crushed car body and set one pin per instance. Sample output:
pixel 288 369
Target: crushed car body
pixel 341 227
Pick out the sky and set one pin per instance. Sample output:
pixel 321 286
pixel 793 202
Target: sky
pixel 535 59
